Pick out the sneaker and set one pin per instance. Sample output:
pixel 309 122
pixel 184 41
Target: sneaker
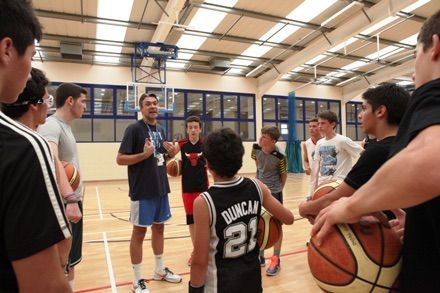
pixel 274 267
pixel 168 276
pixel 262 261
pixel 140 287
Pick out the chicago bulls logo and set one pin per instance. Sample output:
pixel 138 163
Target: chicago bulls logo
pixel 194 158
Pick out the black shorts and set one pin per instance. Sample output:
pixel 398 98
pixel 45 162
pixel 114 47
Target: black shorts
pixel 75 255
pixel 279 196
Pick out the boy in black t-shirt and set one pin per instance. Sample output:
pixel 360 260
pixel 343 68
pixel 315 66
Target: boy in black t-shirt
pixel 32 219
pixel 382 110
pixel 225 221
pixel 194 173
pixel 410 179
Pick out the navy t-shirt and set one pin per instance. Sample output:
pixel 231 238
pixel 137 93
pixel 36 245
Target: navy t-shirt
pixel 147 178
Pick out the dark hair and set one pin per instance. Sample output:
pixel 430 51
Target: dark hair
pixel 193 119
pixel 35 89
pixel 66 90
pixel 330 116
pixel 145 95
pixel 272 131
pixel 430 27
pixel 223 149
pixel 19 22
pixel 392 96
pixel 313 120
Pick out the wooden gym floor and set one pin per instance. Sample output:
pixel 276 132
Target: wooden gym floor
pixel 106 267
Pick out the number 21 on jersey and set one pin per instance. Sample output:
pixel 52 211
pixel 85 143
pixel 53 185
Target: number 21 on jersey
pixel 236 236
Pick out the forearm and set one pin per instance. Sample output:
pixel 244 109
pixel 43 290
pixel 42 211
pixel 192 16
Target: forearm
pixel 315 206
pixel 198 273
pixel 283 180
pixel 126 160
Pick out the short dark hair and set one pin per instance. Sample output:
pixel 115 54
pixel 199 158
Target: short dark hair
pixel 19 22
pixel 35 89
pixel 272 131
pixel 330 116
pixel 66 90
pixel 145 95
pixel 430 27
pixel 313 120
pixel 223 149
pixel 193 119
pixel 392 96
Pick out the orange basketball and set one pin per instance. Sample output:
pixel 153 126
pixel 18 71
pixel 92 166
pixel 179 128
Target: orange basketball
pixel 174 167
pixel 362 257
pixel 325 187
pixel 269 230
pixel 72 174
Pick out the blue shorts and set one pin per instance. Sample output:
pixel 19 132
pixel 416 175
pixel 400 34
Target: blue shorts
pixel 146 212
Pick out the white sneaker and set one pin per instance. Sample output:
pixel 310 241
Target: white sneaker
pixel 140 287
pixel 168 276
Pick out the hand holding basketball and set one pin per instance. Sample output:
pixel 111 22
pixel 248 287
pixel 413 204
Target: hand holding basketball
pixel 268 231
pixel 72 174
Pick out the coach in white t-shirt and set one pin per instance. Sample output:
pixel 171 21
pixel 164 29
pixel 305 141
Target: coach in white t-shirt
pixel 334 152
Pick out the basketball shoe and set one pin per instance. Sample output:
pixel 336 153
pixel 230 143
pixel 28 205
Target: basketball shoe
pixel 140 287
pixel 274 267
pixel 167 275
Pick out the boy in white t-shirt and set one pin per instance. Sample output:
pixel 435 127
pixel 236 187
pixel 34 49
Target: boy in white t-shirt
pixel 334 152
pixel 308 152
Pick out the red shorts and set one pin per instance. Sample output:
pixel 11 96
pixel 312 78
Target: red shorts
pixel 188 201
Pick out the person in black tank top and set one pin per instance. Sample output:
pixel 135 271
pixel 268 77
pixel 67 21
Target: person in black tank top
pixel 226 219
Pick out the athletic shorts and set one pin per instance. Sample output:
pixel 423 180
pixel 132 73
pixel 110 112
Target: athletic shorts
pixel 75 254
pixel 188 202
pixel 279 196
pixel 146 212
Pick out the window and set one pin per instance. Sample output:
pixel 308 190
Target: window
pixel 105 118
pixel 275 112
pixel 353 126
pixel 216 110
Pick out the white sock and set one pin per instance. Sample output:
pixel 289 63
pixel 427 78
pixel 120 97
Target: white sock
pixel 159 263
pixel 71 284
pixel 137 269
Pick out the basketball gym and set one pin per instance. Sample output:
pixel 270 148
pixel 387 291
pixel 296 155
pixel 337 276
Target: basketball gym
pixel 242 64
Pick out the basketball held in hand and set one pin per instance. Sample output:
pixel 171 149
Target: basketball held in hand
pixel 174 167
pixel 361 257
pixel 269 230
pixel 325 187
pixel 72 174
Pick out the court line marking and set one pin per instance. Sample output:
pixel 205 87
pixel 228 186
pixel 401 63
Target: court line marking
pixel 123 284
pixel 108 258
pixel 98 198
pixel 111 274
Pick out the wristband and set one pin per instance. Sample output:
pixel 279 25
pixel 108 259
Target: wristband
pixel 192 289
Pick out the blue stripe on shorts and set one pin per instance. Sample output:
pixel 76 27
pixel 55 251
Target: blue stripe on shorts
pixel 150 211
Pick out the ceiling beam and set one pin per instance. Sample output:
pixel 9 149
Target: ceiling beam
pixel 353 90
pixel 360 21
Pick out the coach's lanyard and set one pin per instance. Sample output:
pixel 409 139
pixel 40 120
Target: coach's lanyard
pixel 155 138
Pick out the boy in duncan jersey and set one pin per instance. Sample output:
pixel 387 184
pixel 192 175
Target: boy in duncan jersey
pixel 225 221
